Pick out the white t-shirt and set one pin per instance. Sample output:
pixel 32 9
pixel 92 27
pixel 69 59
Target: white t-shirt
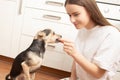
pixel 100 45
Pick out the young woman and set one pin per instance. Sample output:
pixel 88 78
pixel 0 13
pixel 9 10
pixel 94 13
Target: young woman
pixel 96 51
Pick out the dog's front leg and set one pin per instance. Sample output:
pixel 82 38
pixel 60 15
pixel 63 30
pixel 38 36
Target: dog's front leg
pixel 32 76
pixel 26 70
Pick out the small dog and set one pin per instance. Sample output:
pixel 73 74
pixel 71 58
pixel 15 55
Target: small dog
pixel 27 62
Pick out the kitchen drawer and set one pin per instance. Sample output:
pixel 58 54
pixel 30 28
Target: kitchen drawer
pixel 54 60
pixel 110 1
pixel 8 0
pixel 52 5
pixel 58 61
pixel 115 23
pixel 110 11
pixel 47 15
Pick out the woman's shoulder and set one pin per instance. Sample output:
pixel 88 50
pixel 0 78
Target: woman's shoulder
pixel 98 28
pixel 109 29
pixel 100 31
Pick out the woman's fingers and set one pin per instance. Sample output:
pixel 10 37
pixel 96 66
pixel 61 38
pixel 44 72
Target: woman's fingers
pixel 68 46
pixel 63 40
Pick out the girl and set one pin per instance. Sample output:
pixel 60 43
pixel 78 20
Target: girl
pixel 96 50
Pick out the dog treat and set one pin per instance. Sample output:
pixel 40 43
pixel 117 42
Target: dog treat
pixel 60 40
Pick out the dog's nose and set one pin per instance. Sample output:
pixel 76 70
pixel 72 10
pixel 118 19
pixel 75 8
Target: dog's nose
pixel 60 36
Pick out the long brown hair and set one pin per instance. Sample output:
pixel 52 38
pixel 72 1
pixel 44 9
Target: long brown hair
pixel 93 10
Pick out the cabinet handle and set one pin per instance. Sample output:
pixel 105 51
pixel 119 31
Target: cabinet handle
pixel 12 0
pixel 52 17
pixel 106 10
pixel 54 3
pixel 20 7
pixel 52 46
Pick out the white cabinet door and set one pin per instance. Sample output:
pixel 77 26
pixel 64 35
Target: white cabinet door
pixel 51 5
pixel 115 23
pixel 109 11
pixel 110 1
pixel 7 12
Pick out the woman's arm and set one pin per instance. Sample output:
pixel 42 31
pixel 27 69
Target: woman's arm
pixel 89 67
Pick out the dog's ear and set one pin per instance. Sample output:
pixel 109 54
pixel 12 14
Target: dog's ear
pixel 40 35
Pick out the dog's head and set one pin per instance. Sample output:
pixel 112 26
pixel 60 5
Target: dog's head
pixel 48 36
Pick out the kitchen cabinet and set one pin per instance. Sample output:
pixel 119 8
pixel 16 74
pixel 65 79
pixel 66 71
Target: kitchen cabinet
pixel 110 1
pixel 110 11
pixel 115 23
pixel 38 15
pixel 10 24
pixel 7 12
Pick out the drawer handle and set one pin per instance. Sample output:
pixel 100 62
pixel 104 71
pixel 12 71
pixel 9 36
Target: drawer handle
pixel 106 10
pixel 51 17
pixel 20 7
pixel 52 46
pixel 12 0
pixel 54 3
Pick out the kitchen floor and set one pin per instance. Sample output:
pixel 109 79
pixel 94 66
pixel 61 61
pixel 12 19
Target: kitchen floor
pixel 5 68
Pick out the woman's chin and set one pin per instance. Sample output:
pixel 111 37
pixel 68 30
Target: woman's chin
pixel 78 27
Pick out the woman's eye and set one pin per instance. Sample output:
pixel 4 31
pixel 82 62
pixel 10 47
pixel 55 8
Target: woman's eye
pixel 76 14
pixel 69 15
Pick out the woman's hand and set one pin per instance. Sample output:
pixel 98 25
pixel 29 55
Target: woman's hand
pixel 68 47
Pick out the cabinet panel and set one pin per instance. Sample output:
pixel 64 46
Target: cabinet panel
pixel 54 60
pixel 47 15
pixel 67 63
pixel 25 42
pixel 110 11
pixel 7 12
pixel 51 5
pixel 110 1
pixel 58 60
pixel 115 23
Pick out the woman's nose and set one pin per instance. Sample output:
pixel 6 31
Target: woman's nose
pixel 72 19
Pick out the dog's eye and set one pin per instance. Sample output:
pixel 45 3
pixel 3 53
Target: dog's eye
pixel 53 33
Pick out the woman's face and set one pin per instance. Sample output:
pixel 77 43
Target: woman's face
pixel 79 16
